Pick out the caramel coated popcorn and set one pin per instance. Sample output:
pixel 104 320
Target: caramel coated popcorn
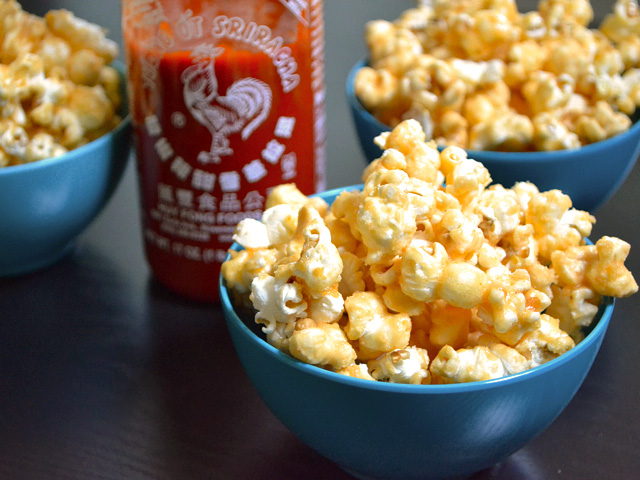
pixel 413 280
pixel 480 75
pixel 57 90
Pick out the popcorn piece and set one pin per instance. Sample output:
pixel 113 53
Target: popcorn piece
pixel 320 264
pixel 571 264
pixel 323 344
pixel 376 89
pixel 385 274
pixel 574 307
pixel 466 365
pixel 91 106
pixel 607 275
pixel 341 233
pixel 459 235
pixel 356 370
pixel 512 307
pixel 396 300
pixel 245 265
pixel 407 136
pixel 43 146
pixel 409 365
pixel 345 208
pixel 84 67
pixel 326 306
pixel 449 324
pixel 574 11
pixel 281 222
pixel 500 213
pixel 376 330
pixel 280 336
pixel 512 360
pixel 110 81
pixel 54 52
pixel 463 285
pixel 14 141
pixel 288 193
pixel 251 233
pixel 557 226
pixel 508 131
pixel 352 274
pixel 421 271
pixel 466 178
pixel 384 219
pixel 277 299
pixel 544 343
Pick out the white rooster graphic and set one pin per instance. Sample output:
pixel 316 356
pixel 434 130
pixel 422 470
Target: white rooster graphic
pixel 245 106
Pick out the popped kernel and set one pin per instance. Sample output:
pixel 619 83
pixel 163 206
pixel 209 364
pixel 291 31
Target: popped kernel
pixel 408 365
pixel 323 344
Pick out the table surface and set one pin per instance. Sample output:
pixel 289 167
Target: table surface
pixel 107 375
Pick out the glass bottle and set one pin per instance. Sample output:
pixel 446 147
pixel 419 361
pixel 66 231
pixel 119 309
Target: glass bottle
pixel 227 99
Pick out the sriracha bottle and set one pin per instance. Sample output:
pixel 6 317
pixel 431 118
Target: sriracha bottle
pixel 227 101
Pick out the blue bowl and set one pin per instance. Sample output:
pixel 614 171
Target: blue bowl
pixel 590 175
pixel 376 430
pixel 46 204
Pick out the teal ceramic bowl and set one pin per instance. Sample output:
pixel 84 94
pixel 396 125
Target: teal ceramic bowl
pixel 46 204
pixel 590 175
pixel 387 431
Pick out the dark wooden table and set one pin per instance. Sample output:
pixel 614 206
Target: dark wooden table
pixel 107 375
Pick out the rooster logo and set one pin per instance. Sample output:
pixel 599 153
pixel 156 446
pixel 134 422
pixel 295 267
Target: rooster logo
pixel 244 108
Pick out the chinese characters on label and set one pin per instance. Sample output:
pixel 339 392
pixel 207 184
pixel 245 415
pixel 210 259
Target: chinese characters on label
pixel 191 212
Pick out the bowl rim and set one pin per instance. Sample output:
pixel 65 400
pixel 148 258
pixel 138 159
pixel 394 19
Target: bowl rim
pixel 598 330
pixel 72 155
pixel 497 156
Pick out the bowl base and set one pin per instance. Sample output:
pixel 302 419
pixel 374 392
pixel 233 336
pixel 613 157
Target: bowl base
pixel 33 264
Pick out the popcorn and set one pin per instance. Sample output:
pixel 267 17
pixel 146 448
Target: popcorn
pixel 421 271
pixel 544 343
pixel 319 265
pixel 414 281
pixel 277 300
pixel 483 76
pixel 384 219
pixel 323 344
pixel 466 365
pixel 575 307
pixel 607 274
pixel 57 91
pixel 463 285
pixel 449 324
pixel 409 365
pixel 375 329
pixel 356 370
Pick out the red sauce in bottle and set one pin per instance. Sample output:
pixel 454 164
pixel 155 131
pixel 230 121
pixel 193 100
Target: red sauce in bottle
pixel 224 108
